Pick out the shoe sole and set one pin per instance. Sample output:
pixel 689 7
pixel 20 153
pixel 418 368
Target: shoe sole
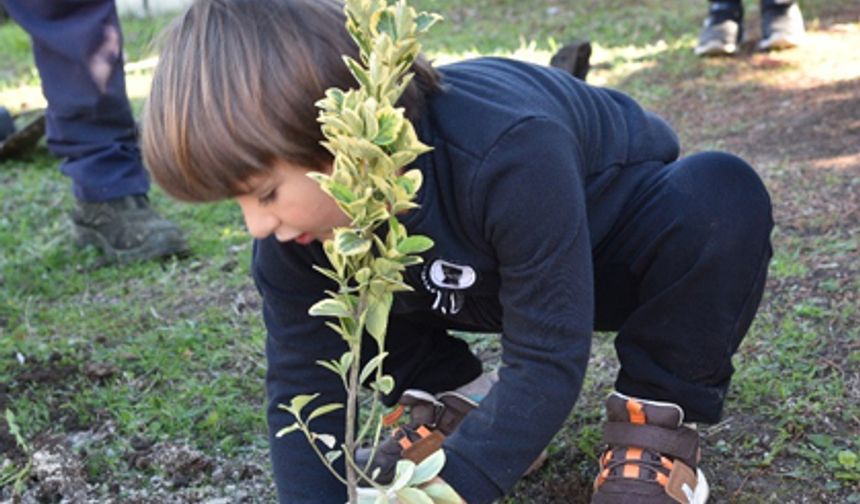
pixel 716 49
pixel 537 464
pixel 700 496
pixel 778 43
pixel 25 138
pixel 166 247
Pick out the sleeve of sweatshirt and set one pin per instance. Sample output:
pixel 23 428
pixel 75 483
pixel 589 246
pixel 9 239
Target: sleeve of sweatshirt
pixel 529 201
pixel 294 343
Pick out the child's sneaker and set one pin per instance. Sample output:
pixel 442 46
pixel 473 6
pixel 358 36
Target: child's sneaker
pixel 722 31
pixel 781 26
pixel 431 419
pixel 652 457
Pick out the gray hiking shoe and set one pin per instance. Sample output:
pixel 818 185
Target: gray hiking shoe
pixel 781 26
pixel 652 458
pixel 127 229
pixel 722 31
pixel 20 133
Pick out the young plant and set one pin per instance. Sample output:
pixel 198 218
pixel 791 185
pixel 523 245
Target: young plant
pixel 372 142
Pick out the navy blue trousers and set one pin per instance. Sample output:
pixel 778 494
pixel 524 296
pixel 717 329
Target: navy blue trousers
pixel 678 277
pixel 764 3
pixel 77 45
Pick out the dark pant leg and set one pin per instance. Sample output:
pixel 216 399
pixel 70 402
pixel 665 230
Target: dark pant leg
pixel 78 49
pixel 680 277
pixel 720 10
pixel 776 3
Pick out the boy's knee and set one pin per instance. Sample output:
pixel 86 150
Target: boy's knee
pixel 730 198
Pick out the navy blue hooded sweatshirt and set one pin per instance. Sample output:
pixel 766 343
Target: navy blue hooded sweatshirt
pixel 530 169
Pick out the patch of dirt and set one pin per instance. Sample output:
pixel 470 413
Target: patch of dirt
pixel 163 472
pixel 57 473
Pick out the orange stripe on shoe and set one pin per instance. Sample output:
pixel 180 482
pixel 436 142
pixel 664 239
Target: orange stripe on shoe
pixel 607 456
pixel 636 412
pixel 389 419
pixel 666 463
pixel 631 471
pixel 662 479
pixel 601 479
pixel 423 431
pixel 404 442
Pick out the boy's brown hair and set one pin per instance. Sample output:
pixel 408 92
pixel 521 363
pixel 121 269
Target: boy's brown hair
pixel 235 89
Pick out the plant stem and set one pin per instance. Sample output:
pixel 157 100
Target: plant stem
pixel 371 418
pixel 325 461
pixel 352 401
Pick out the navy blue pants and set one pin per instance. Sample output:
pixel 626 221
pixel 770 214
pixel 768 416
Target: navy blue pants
pixel 679 277
pixel 78 50
pixel 764 3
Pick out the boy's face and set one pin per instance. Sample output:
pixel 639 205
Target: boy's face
pixel 290 205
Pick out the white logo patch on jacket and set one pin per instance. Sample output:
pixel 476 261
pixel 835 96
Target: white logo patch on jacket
pixel 446 279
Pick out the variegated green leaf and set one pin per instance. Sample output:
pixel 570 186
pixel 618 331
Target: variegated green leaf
pixel 414 244
pixel 288 429
pixel 348 243
pixel 428 469
pixel 298 402
pixel 442 493
pixel 322 410
pixel 329 308
pixel 413 496
pixel 377 316
pixel 371 366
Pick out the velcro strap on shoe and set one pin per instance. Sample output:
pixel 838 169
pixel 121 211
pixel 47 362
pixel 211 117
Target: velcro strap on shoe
pixel 391 418
pixel 424 447
pixel 456 408
pixel 681 443
pixel 682 483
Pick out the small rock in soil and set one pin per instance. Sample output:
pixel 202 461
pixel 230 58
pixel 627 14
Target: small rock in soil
pixel 58 473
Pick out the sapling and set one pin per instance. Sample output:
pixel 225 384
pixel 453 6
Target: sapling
pixel 372 142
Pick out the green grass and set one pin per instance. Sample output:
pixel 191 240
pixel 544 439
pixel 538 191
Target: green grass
pixel 182 341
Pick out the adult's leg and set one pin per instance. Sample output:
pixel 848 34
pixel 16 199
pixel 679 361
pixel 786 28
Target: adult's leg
pixel 680 277
pixel 722 31
pixel 78 50
pixel 782 25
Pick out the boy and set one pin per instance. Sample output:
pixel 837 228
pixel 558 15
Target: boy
pixel 555 207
